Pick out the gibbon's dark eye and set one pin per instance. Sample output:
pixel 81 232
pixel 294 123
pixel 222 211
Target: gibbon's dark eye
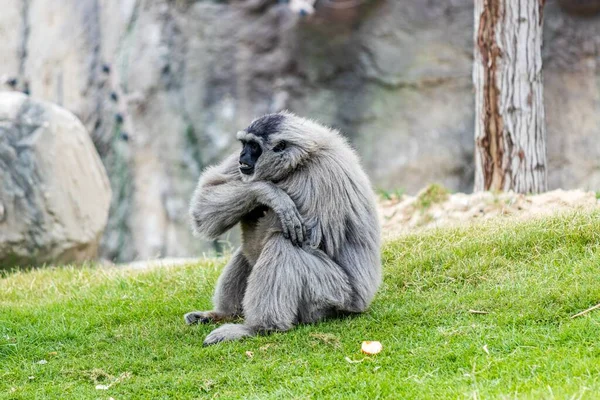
pixel 280 147
pixel 253 146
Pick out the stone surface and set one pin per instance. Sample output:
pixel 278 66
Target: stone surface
pixel 163 85
pixel 54 191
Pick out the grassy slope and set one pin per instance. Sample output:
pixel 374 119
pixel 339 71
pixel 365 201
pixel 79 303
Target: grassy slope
pixel 94 325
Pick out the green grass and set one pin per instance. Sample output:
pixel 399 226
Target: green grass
pixel 432 194
pixel 98 326
pixel 390 194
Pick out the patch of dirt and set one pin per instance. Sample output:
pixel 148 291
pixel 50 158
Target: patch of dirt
pixel 406 214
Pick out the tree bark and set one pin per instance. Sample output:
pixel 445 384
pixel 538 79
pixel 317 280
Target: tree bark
pixel 510 133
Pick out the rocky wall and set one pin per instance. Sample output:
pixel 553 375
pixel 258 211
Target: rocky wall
pixel 163 85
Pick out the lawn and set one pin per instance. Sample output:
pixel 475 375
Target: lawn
pixel 98 333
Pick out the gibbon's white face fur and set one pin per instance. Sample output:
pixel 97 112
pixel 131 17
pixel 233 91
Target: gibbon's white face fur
pixel 273 146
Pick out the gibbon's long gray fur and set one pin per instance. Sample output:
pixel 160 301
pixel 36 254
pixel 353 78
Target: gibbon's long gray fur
pixel 310 232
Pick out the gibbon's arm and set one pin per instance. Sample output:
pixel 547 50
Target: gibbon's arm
pixel 329 201
pixel 222 199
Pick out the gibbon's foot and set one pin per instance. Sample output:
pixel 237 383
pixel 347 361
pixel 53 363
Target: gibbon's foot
pixel 199 317
pixel 228 332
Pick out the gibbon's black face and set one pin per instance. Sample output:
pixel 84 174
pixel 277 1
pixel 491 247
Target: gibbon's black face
pixel 249 156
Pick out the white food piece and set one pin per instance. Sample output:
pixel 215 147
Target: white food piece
pixel 371 347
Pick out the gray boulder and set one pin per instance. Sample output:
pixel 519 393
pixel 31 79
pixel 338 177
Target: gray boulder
pixel 54 191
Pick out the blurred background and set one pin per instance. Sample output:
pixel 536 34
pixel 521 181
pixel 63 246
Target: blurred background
pixel 162 86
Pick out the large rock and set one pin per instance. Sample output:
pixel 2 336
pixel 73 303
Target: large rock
pixel 163 85
pixel 54 192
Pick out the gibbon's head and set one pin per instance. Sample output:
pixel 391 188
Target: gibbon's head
pixel 274 145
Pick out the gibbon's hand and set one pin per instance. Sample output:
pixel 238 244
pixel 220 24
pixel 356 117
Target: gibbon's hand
pixel 291 221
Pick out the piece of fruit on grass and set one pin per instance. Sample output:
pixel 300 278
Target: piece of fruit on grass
pixel 371 347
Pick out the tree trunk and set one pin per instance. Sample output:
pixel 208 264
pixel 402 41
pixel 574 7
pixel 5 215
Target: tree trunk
pixel 510 133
